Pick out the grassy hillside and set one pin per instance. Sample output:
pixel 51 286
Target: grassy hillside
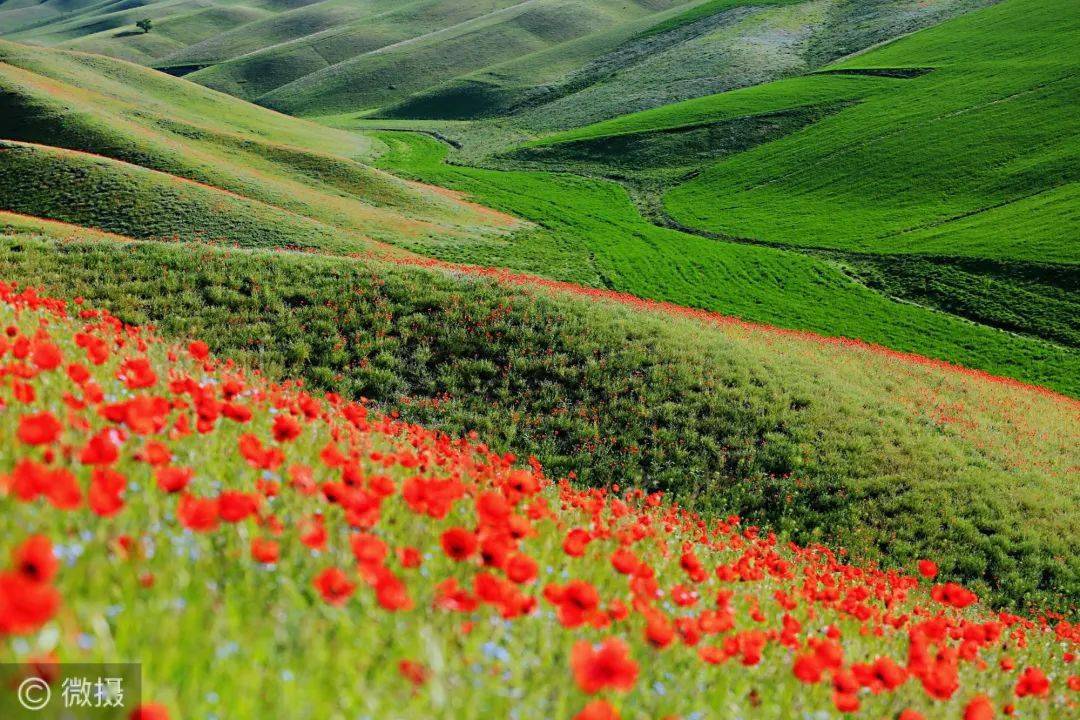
pixel 287 179
pixel 238 174
pixel 893 459
pixel 589 231
pixel 1000 171
pixel 547 63
pixel 978 157
pixel 401 573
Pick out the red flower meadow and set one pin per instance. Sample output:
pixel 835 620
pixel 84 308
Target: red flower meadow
pixel 458 557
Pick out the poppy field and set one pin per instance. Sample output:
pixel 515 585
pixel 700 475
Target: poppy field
pixel 798 432
pixel 258 546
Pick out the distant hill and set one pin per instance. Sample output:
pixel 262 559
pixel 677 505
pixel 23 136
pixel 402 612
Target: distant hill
pixel 108 144
pixel 550 63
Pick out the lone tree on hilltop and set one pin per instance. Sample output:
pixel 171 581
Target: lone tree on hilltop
pixel 146 25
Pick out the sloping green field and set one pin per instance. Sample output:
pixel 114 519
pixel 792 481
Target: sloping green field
pixel 293 179
pixel 551 64
pixel 956 146
pixel 589 231
pixel 978 157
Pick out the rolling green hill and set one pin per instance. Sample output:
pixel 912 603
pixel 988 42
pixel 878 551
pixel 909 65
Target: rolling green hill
pixel 983 202
pixel 979 111
pixel 978 157
pixel 111 145
pixel 548 63
pixel 960 140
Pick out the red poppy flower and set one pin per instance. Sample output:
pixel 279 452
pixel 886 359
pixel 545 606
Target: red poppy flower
pixel 25 605
pixel 953 594
pixel 608 666
pixel 137 373
pixel 369 550
pixel 198 514
pixel 172 479
pixel 99 450
pixel 236 506
pixel 34 559
pixel 39 429
pixel 390 591
pixel 521 569
pixel 928 569
pixel 150 711
pixel 106 488
pixel 659 632
pixel 1034 682
pixel 979 708
pixel 199 350
pixel 286 428
pixel 846 702
pixel 265 550
pixel 155 453
pixel 598 710
pixel 458 543
pixel 46 356
pixel 409 557
pixel 414 672
pixel 334 586
pixel 236 412
pixel 257 456
pixel 808 668
pixel 624 561
pixel 576 541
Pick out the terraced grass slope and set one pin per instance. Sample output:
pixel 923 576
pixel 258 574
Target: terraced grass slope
pixel 895 459
pixel 115 146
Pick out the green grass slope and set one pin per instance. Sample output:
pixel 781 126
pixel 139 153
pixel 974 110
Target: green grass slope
pixel 979 157
pixel 548 64
pixel 955 147
pixel 389 74
pixel 117 197
pixel 293 178
pixel 589 231
pixel 722 45
pixel 895 460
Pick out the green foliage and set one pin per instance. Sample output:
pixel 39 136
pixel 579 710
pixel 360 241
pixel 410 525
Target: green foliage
pixel 146 25
pixel 815 441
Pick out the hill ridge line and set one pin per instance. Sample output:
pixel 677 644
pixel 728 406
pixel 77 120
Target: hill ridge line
pixel 451 30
